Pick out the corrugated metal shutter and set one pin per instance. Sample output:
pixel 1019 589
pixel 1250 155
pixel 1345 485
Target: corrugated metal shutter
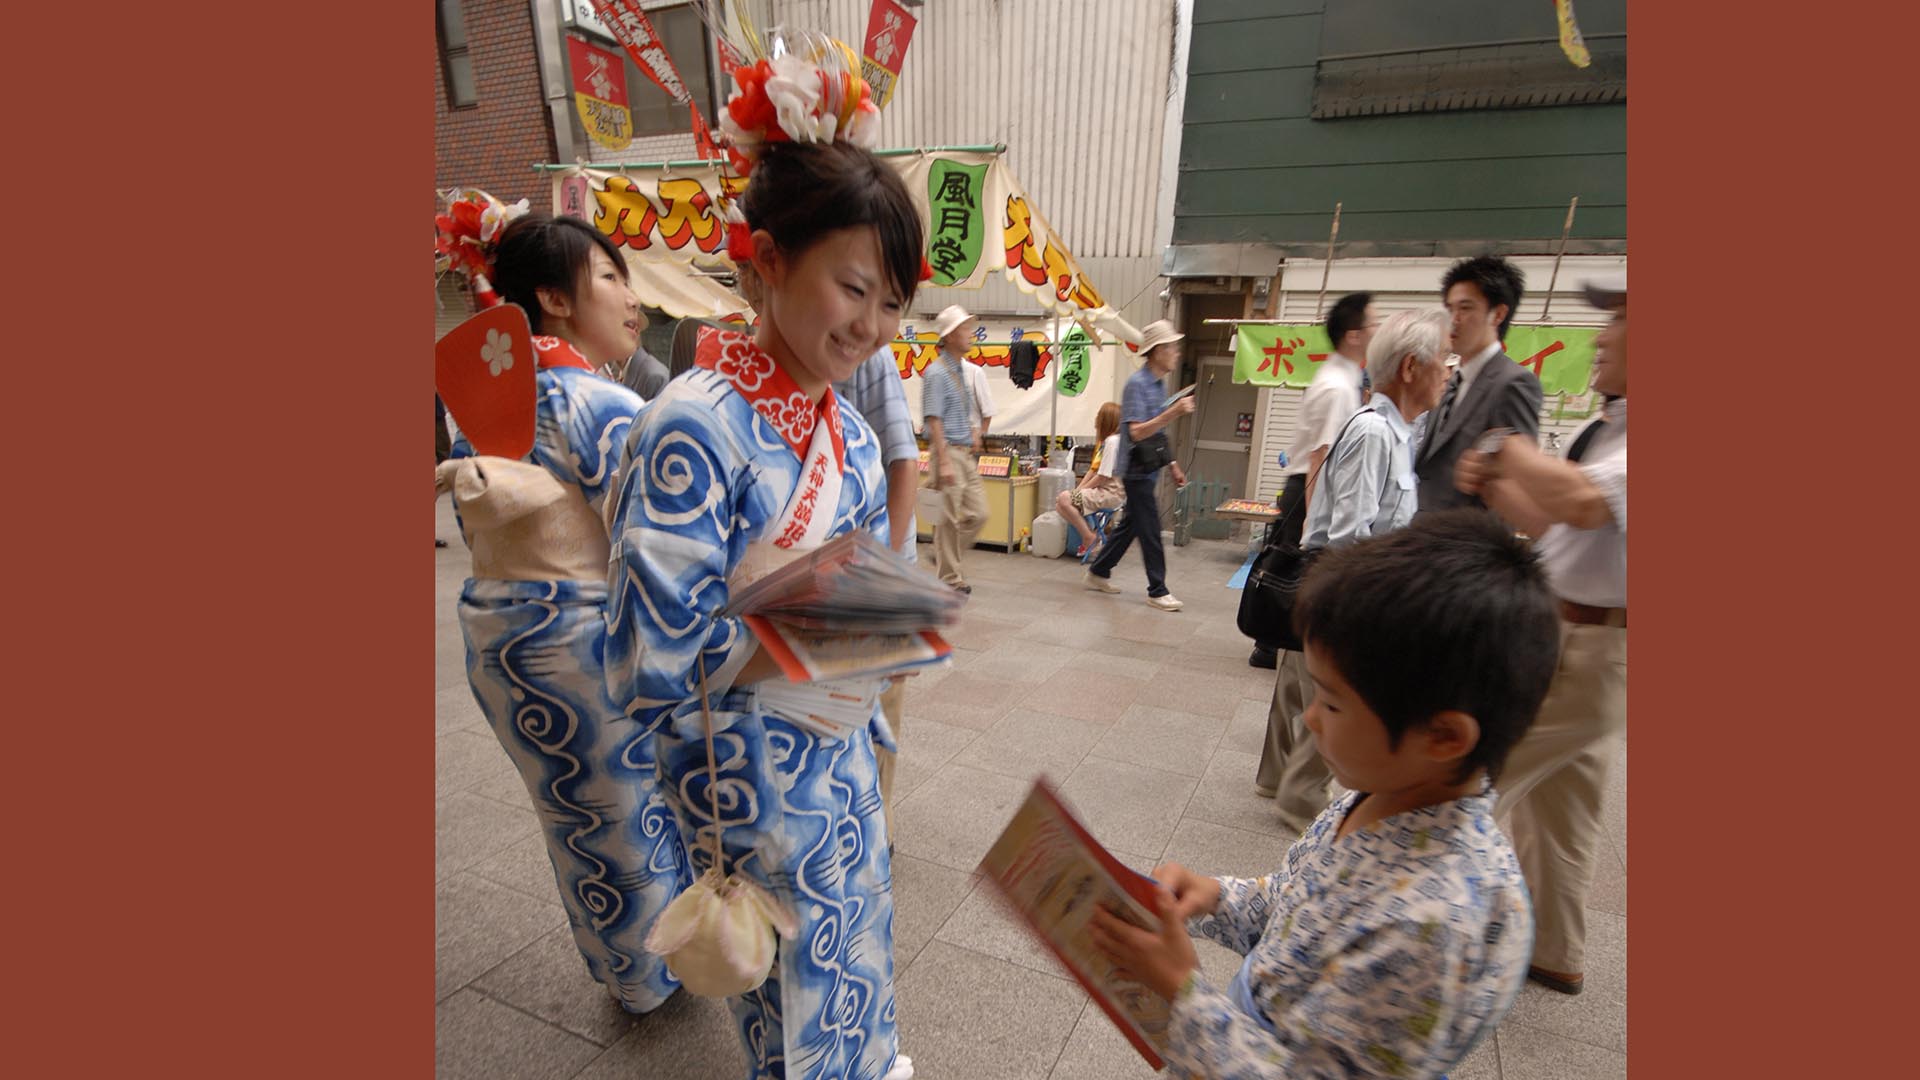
pixel 1407 284
pixel 451 304
pixel 1283 419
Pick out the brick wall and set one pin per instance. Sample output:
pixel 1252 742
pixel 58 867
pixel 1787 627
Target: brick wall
pixel 494 144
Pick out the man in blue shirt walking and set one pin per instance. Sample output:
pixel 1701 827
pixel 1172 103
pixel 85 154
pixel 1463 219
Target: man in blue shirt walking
pixel 1144 414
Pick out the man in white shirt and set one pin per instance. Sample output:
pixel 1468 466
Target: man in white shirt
pixel 1331 397
pixel 1289 761
pixel 1551 789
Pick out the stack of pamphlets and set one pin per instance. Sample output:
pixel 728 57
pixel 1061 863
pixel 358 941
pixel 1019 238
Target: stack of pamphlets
pixel 833 709
pixel 849 609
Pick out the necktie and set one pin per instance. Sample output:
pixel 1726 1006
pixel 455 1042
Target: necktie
pixel 1366 387
pixel 1446 404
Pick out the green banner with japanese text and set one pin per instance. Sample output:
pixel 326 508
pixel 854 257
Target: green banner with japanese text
pixel 1076 362
pixel 1562 356
pixel 957 228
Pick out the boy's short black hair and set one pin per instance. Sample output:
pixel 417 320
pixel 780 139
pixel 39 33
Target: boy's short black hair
pixel 1498 280
pixel 1349 313
pixel 1451 612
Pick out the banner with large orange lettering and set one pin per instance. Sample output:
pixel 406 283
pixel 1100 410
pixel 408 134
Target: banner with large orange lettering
pixel 979 221
pixel 1097 373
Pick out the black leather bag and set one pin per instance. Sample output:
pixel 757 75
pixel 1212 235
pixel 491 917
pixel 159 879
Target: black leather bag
pixel 1266 602
pixel 1273 584
pixel 1151 454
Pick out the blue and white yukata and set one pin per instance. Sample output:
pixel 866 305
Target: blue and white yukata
pixel 733 455
pixel 534 619
pixel 1390 952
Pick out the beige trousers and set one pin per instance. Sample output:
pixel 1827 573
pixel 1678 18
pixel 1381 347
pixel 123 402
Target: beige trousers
pixel 1552 784
pixel 893 702
pixel 1290 763
pixel 965 500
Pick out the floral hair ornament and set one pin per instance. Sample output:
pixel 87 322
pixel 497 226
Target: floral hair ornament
pixel 739 242
pixel 465 237
pixel 796 86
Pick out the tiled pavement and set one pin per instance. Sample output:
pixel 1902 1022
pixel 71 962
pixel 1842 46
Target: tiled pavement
pixel 1150 722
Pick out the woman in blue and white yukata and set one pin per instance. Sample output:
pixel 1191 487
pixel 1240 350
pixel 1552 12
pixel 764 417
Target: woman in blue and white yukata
pixel 750 451
pixel 534 612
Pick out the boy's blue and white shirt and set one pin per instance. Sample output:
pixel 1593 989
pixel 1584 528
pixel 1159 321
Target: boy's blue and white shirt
pixel 1390 952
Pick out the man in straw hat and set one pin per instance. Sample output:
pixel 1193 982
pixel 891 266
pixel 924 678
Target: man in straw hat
pixel 1144 414
pixel 947 404
pixel 1551 790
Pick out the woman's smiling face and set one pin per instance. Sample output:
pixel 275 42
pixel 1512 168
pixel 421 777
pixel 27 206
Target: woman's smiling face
pixel 834 304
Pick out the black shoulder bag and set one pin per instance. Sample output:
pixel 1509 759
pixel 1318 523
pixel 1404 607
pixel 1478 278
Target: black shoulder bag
pixel 1266 602
pixel 1150 454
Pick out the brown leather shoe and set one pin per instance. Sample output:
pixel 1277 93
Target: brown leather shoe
pixel 1556 980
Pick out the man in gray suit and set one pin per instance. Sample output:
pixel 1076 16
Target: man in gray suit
pixel 645 375
pixel 1489 391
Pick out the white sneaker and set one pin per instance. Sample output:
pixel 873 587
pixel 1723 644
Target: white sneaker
pixel 1098 584
pixel 1165 603
pixel 902 1068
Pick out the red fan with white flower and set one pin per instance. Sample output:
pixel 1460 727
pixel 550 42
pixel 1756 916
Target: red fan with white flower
pixel 483 370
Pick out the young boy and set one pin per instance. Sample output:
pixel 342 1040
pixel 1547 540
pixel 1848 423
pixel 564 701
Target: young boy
pixel 1397 932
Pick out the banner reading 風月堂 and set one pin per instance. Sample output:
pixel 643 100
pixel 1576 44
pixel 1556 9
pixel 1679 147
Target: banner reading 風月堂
pixel 1562 356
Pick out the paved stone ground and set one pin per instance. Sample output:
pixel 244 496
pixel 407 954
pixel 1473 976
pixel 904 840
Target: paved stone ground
pixel 1150 722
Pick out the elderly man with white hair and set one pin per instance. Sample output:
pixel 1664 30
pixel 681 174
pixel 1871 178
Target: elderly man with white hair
pixel 1367 476
pixel 1365 487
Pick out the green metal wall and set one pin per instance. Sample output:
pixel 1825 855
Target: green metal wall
pixel 1255 169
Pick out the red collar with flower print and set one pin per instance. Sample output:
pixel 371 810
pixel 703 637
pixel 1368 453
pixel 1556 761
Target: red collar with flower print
pixel 771 391
pixel 551 352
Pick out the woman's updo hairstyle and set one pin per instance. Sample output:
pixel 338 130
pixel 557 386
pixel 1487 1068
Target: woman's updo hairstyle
pixel 801 191
pixel 540 251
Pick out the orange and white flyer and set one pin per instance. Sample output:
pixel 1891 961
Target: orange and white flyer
pixel 809 655
pixel 1053 873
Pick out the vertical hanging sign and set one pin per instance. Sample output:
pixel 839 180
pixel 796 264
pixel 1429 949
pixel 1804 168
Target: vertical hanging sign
pixel 889 29
pixel 1571 42
pixel 635 31
pixel 600 94
pixel 956 225
pixel 1076 361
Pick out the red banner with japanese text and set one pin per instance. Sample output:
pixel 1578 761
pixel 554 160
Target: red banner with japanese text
pixel 889 29
pixel 635 32
pixel 600 94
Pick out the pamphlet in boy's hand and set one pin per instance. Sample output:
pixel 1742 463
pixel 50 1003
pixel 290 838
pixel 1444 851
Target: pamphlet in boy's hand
pixel 1182 392
pixel 1055 875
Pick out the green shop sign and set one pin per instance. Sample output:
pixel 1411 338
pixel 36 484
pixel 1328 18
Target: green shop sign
pixel 953 211
pixel 1076 362
pixel 1562 356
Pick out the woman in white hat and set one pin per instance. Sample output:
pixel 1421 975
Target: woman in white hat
pixel 1144 416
